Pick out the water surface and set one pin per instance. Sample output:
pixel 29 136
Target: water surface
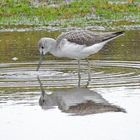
pixel 48 105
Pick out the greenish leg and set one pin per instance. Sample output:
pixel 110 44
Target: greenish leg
pixel 79 75
pixel 89 76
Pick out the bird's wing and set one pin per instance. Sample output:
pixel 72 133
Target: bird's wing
pixel 85 37
pixel 79 37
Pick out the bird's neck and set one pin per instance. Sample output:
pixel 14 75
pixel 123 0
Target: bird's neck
pixel 52 46
pixel 54 49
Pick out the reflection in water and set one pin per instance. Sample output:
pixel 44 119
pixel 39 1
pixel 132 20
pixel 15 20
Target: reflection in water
pixel 77 101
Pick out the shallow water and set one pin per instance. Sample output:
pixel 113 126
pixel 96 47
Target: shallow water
pixel 48 105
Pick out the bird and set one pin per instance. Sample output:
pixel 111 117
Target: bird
pixel 76 44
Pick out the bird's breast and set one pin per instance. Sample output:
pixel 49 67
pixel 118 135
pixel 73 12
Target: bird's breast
pixel 76 51
pixel 71 50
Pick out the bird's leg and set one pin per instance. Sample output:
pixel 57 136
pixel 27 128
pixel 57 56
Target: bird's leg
pixel 89 76
pixel 79 75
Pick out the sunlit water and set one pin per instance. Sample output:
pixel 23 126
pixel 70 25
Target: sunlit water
pixel 48 105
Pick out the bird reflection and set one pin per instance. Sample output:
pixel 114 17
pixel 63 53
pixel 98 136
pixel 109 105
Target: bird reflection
pixel 76 101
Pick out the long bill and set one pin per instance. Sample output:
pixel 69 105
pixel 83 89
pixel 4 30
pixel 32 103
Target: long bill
pixel 40 62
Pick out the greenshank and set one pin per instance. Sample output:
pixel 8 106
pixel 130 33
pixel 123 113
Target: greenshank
pixel 77 44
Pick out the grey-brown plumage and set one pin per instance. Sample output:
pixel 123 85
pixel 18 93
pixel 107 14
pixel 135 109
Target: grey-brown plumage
pixel 88 38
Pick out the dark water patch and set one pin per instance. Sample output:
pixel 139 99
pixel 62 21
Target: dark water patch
pixel 22 47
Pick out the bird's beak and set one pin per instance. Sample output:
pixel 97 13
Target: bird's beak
pixel 40 62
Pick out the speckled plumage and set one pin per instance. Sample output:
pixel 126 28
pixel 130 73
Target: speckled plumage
pixel 85 37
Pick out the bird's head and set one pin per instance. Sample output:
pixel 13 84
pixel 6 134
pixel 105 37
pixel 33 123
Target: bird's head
pixel 45 45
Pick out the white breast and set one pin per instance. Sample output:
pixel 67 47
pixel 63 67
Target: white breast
pixel 70 50
pixel 76 51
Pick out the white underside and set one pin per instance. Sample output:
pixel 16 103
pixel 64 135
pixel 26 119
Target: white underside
pixel 75 51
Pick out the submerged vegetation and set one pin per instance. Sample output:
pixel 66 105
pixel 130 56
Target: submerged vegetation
pixel 69 13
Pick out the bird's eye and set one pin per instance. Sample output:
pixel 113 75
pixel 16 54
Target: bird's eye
pixel 42 47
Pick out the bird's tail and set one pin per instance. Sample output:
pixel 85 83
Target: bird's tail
pixel 118 33
pixel 112 35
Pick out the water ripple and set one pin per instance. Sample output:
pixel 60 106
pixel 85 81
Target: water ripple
pixel 55 74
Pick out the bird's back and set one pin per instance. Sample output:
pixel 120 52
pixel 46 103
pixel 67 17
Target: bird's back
pixel 85 37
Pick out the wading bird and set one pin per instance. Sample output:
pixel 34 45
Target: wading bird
pixel 77 44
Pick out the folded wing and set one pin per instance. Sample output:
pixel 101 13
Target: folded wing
pixel 88 38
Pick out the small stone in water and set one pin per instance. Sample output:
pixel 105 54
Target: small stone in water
pixel 14 58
